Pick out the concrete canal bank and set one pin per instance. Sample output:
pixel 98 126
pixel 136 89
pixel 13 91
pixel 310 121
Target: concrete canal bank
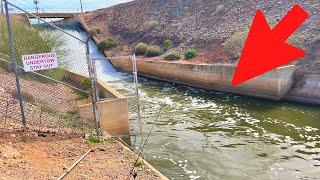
pixel 275 85
pixel 213 135
pixel 278 84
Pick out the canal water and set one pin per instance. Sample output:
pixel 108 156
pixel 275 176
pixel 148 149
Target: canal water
pixel 213 135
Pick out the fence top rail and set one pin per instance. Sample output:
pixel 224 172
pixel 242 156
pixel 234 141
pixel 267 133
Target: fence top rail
pixel 45 22
pixel 45 11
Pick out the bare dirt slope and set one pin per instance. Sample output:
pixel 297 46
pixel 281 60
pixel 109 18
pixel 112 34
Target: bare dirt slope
pixel 25 155
pixel 216 28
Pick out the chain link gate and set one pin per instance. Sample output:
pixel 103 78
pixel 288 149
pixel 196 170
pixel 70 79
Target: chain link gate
pixel 120 74
pixel 52 99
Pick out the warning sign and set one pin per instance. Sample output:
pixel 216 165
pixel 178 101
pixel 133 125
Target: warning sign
pixel 36 62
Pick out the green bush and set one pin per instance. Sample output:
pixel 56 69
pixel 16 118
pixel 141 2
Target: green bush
pixel 168 44
pixel 94 31
pixel 153 24
pixel 190 53
pixel 153 51
pixel 141 49
pixel 171 56
pixel 220 9
pixel 94 139
pixel 86 84
pixel 107 43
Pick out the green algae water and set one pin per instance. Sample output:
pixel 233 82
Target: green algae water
pixel 213 135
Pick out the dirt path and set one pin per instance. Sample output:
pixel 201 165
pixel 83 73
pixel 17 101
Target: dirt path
pixel 29 155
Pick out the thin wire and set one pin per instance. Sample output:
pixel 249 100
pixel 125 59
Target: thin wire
pixel 145 142
pixel 45 22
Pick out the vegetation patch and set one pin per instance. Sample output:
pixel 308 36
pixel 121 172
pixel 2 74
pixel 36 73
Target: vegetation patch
pixel 42 42
pixel 168 43
pixel 107 43
pixel 94 139
pixel 141 49
pixel 138 164
pixel 94 31
pixel 153 24
pixel 190 53
pixel 112 140
pixel 153 51
pixel 172 55
pixel 220 9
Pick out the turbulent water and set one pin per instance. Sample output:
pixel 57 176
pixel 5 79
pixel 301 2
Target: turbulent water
pixel 213 135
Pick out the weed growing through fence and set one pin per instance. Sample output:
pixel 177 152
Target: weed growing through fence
pixel 138 164
pixel 112 140
pixel 94 139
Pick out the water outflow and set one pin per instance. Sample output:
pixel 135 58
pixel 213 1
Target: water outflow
pixel 213 135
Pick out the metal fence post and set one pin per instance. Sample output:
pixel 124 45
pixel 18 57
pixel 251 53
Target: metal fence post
pixel 1 7
pixel 14 60
pixel 94 91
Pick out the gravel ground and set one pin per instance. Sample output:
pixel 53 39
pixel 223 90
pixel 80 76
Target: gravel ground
pixel 30 155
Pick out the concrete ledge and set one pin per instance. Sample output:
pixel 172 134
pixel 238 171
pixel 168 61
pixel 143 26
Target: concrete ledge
pixel 114 109
pixel 272 85
pixel 308 91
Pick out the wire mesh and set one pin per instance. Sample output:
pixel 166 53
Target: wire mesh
pixel 54 99
pixel 122 79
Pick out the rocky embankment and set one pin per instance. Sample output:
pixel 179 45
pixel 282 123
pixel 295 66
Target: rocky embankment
pixel 217 30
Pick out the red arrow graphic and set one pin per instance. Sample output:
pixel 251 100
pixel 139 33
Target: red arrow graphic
pixel 265 48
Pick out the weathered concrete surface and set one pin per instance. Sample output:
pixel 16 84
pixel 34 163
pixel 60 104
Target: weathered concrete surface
pixel 273 85
pixel 114 116
pixel 308 91
pixel 114 109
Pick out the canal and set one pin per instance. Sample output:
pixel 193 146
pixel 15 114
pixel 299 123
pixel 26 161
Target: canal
pixel 213 135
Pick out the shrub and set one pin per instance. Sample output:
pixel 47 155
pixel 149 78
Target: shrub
pixel 171 56
pixel 94 139
pixel 190 53
pixel 153 51
pixel 94 31
pixel 168 43
pixel 107 43
pixel 220 9
pixel 153 24
pixel 141 49
pixel 86 84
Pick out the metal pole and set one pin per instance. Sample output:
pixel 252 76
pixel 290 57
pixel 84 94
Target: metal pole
pixel 14 60
pixel 1 6
pixel 36 2
pixel 135 73
pixel 81 6
pixel 94 93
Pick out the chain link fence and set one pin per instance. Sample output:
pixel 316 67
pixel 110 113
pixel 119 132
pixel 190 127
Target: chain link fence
pixel 49 99
pixel 123 81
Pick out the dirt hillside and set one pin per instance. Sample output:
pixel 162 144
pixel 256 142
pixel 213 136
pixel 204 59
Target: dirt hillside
pixel 217 29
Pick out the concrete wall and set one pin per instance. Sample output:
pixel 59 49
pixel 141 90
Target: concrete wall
pixel 273 85
pixel 308 91
pixel 114 109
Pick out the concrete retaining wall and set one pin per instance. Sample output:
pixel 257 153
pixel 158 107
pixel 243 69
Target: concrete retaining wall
pixel 308 91
pixel 273 85
pixel 114 109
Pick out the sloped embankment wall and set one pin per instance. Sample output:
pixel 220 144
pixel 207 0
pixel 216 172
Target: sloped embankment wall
pixel 273 85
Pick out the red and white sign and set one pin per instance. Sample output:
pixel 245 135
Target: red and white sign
pixel 36 62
